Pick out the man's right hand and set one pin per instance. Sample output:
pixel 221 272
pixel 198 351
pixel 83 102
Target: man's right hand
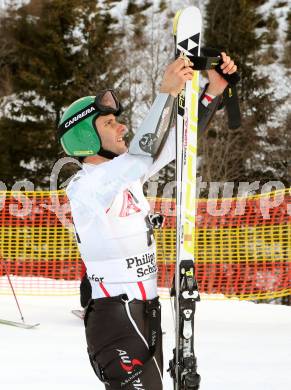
pixel 175 77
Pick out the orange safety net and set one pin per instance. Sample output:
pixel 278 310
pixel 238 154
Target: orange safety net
pixel 242 245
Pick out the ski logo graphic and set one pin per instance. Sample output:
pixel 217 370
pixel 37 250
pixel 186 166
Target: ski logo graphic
pixel 181 103
pixel 191 122
pixel 126 363
pixel 190 45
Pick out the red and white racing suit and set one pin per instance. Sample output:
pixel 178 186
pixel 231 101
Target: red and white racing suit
pixel 109 212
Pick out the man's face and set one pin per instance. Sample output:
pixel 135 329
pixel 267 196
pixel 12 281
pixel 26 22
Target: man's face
pixel 111 133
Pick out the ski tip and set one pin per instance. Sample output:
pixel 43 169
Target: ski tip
pixel 175 22
pixel 79 313
pixel 191 12
pixel 28 326
pixel 23 325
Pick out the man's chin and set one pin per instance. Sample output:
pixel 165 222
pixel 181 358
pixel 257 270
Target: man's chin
pixel 122 150
pixel 119 149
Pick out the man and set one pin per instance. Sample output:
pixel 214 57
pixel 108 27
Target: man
pixel 113 225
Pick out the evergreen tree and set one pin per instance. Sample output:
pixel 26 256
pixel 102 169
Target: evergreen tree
pixel 135 46
pixel 148 48
pixel 231 26
pixel 60 50
pixel 287 54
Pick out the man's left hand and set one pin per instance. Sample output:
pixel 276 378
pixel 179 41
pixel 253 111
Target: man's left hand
pixel 217 83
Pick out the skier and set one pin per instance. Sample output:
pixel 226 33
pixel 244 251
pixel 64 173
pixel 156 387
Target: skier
pixel 114 227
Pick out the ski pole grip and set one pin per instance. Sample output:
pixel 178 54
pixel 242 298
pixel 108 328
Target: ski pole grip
pixel 232 79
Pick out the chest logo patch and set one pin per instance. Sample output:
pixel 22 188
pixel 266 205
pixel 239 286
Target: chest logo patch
pixel 129 205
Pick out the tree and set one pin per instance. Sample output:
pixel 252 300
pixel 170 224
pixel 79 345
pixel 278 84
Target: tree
pixel 287 54
pixel 135 45
pixel 148 48
pixel 59 51
pixel 231 26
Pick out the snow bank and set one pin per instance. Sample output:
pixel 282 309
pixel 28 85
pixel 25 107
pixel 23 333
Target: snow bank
pixel 240 345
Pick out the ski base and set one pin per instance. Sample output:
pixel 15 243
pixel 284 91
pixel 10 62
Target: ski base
pixel 79 313
pixel 19 324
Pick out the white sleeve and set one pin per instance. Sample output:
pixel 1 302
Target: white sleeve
pixel 103 182
pixel 150 135
pixel 167 154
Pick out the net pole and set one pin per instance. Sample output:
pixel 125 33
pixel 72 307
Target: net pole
pixel 12 288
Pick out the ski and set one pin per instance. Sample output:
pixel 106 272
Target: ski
pixel 19 324
pixel 183 366
pixel 79 313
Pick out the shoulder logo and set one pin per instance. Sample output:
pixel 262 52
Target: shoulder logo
pixel 147 142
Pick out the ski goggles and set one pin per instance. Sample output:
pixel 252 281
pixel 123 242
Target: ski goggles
pixel 105 103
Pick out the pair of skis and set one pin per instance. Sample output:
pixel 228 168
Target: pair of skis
pixel 187 36
pixel 183 366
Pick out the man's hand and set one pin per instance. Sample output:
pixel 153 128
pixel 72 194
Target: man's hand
pixel 217 83
pixel 175 77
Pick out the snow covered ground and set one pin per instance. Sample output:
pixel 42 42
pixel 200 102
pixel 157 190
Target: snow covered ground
pixel 239 346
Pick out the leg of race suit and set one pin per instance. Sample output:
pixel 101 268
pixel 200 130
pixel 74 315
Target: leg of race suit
pixel 117 333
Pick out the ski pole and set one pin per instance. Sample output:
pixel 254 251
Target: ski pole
pixel 11 285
